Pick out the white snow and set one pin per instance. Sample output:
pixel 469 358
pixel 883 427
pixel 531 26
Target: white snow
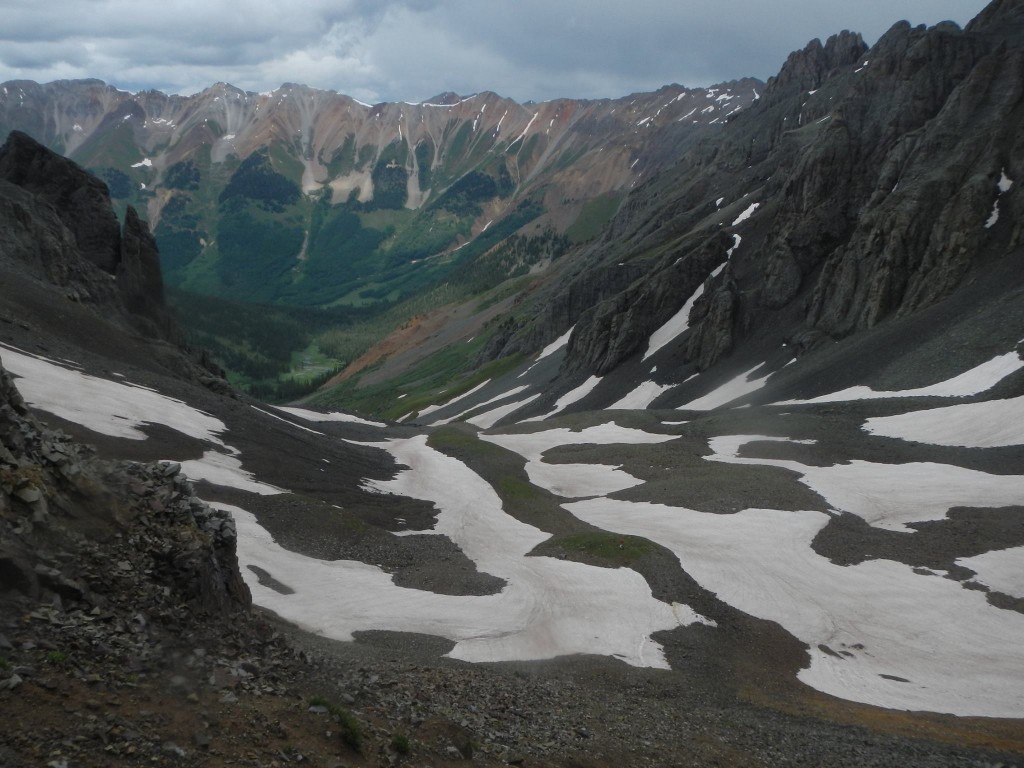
pixel 527 128
pixel 958 653
pixel 112 408
pixel 991 424
pixel 993 217
pixel 569 398
pixel 221 469
pixel 887 496
pixel 736 240
pixel 642 396
pixel 718 202
pixel 555 345
pixel 432 408
pixel 286 421
pixel 502 396
pixel 576 480
pixel 490 418
pixel 1005 182
pixel 308 415
pixel 144 163
pixel 972 382
pixel 746 214
pixel 1001 570
pixel 731 390
pixel 227 137
pixel 680 321
pixel 549 608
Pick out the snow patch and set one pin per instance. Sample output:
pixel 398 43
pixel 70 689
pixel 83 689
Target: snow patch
pixel 863 624
pixel 432 408
pixel 992 424
pixel 224 470
pixel 746 214
pixel 1001 570
pixel 114 408
pixel 308 415
pixel 972 382
pixel 641 397
pixel 887 496
pixel 731 390
pixel 549 607
pixel 570 397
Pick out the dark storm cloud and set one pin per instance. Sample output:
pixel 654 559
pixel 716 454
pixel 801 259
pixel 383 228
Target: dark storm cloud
pixel 412 49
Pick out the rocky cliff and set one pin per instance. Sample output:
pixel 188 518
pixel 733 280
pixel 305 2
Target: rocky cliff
pixel 58 225
pixel 863 185
pixel 92 533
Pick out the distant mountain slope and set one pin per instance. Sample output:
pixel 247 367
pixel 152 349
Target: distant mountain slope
pixel 863 186
pixel 309 197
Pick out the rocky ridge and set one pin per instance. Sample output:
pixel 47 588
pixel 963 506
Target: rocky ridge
pixel 883 180
pixel 60 226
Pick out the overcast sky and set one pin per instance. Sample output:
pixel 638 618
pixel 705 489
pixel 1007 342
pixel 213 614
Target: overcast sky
pixel 409 50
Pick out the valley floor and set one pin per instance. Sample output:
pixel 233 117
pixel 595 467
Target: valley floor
pixel 765 586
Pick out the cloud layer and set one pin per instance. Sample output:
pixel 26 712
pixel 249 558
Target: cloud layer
pixel 394 50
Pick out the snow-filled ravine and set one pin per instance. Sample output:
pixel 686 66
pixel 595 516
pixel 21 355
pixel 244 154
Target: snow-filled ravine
pixel 549 607
pixel 878 632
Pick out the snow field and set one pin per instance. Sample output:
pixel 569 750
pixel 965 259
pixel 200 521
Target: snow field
pixel 490 418
pixel 972 382
pixel 549 607
pixel 878 632
pixel 641 397
pixel 308 415
pixel 991 424
pixel 575 481
pixel 732 390
pixel 1001 570
pixel 568 399
pixel 113 408
pixel 950 649
pixel 221 469
pixel 887 496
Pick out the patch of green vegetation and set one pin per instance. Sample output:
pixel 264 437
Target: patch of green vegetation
pixel 183 175
pixel 457 146
pixel 594 217
pixel 349 730
pixel 463 198
pixel 428 235
pixel 286 162
pixel 390 177
pixel 261 346
pixel 257 180
pixel 424 161
pixel 178 235
pixel 366 154
pixel 109 149
pixel 400 743
pixel 343 159
pixel 606 546
pixel 256 252
pixel 118 183
pixel 57 658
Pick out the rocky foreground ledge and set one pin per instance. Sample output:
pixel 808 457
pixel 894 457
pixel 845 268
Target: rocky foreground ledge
pixel 127 638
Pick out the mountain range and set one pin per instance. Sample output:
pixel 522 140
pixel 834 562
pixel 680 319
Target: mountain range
pixel 678 442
